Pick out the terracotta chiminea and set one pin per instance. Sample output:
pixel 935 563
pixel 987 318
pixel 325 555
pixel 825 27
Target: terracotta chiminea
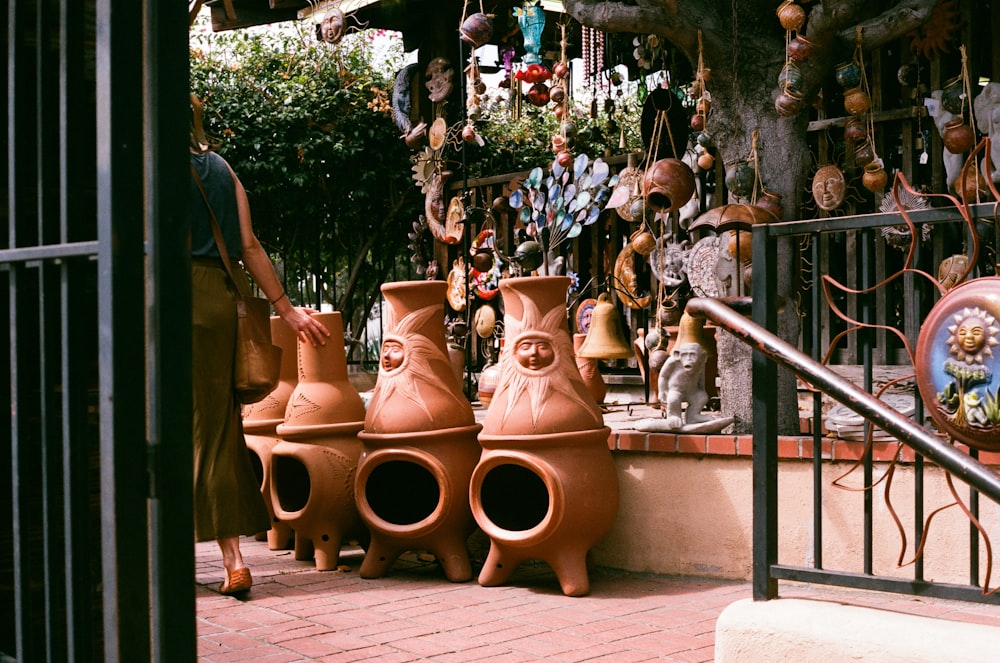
pixel 260 420
pixel 313 467
pixel 419 438
pixel 545 487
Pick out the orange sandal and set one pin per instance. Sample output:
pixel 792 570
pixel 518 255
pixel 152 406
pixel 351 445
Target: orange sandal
pixel 238 582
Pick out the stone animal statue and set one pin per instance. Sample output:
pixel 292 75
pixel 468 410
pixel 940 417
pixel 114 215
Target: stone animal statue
pixel 682 380
pixel 952 162
pixel 987 109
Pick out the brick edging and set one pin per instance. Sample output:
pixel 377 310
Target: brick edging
pixel 790 447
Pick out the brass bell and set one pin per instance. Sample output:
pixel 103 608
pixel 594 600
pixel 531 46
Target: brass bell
pixel 605 340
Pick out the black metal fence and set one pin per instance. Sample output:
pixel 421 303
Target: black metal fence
pixel 770 351
pixel 96 557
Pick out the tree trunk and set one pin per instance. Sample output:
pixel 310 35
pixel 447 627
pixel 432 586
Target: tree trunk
pixel 743 46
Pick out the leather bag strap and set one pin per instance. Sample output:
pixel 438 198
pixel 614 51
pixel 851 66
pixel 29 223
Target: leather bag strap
pixel 219 241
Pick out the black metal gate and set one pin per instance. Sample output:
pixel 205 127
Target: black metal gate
pixel 96 555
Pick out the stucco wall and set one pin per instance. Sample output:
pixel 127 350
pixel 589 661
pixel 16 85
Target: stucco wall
pixel 691 515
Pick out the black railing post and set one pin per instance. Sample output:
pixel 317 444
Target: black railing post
pixel 765 420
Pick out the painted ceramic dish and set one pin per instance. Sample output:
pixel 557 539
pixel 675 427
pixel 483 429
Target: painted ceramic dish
pixel 583 313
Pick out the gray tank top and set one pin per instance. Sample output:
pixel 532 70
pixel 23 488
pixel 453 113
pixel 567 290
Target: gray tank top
pixel 221 190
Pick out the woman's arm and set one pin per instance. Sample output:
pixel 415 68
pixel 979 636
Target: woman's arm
pixel 258 263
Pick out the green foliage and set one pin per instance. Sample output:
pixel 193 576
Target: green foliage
pixel 309 130
pixel 517 142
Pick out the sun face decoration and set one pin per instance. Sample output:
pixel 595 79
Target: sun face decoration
pixel 540 364
pixel 408 359
pixel 973 335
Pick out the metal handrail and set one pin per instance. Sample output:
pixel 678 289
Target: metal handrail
pixel 966 468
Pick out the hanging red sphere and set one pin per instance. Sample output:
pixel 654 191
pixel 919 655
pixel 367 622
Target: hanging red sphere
pixel 538 94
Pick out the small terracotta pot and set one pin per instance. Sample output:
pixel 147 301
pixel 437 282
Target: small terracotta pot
pixel 971 186
pixel 857 101
pixel 855 130
pixel 799 49
pixel 958 137
pixel 790 15
pixel 643 242
pixel 476 29
pixel 668 185
pixel 874 178
pixel 788 103
pixel 771 202
pixel 706 161
pixel 697 122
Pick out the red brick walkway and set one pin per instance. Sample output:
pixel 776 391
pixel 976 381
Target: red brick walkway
pixel 295 613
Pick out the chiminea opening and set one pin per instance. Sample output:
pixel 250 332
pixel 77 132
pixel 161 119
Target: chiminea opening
pixel 257 466
pixel 401 492
pixel 292 481
pixel 514 497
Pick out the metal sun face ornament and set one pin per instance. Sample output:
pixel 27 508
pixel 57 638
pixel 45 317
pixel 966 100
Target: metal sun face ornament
pixel 958 373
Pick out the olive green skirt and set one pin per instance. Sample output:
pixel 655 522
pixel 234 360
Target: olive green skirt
pixel 227 499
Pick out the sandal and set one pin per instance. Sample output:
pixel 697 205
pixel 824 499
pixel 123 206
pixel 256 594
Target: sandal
pixel 237 582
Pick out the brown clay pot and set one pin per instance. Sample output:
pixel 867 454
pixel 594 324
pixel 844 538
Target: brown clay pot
pixel 958 137
pixel 771 202
pixel 668 185
pixel 790 15
pixel 799 49
pixel 788 103
pixel 589 371
pixel 545 487
pixel 971 185
pixel 312 468
pixel 488 379
pixel 874 178
pixel 260 420
pixel 857 101
pixel 419 440
pixel 855 130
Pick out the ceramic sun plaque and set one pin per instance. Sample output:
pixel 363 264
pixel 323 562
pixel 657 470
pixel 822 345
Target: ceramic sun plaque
pixel 958 372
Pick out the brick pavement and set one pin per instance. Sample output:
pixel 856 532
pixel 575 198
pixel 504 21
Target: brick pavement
pixel 295 613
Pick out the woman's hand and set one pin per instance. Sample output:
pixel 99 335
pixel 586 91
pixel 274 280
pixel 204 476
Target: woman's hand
pixel 306 326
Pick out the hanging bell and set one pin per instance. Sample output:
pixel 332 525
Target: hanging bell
pixel 605 340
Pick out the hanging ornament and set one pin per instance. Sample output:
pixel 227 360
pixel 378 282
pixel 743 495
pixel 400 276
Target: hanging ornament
pixel 791 16
pixel 531 20
pixel 477 28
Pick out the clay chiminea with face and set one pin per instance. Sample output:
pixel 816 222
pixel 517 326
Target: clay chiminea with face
pixel 419 440
pixel 313 467
pixel 260 421
pixel 545 487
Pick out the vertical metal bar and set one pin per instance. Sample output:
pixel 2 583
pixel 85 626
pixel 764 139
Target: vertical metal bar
pixel 973 532
pixel 865 305
pixel 816 303
pixel 47 310
pixel 765 421
pixel 78 331
pixel 29 622
pixel 121 316
pixel 166 97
